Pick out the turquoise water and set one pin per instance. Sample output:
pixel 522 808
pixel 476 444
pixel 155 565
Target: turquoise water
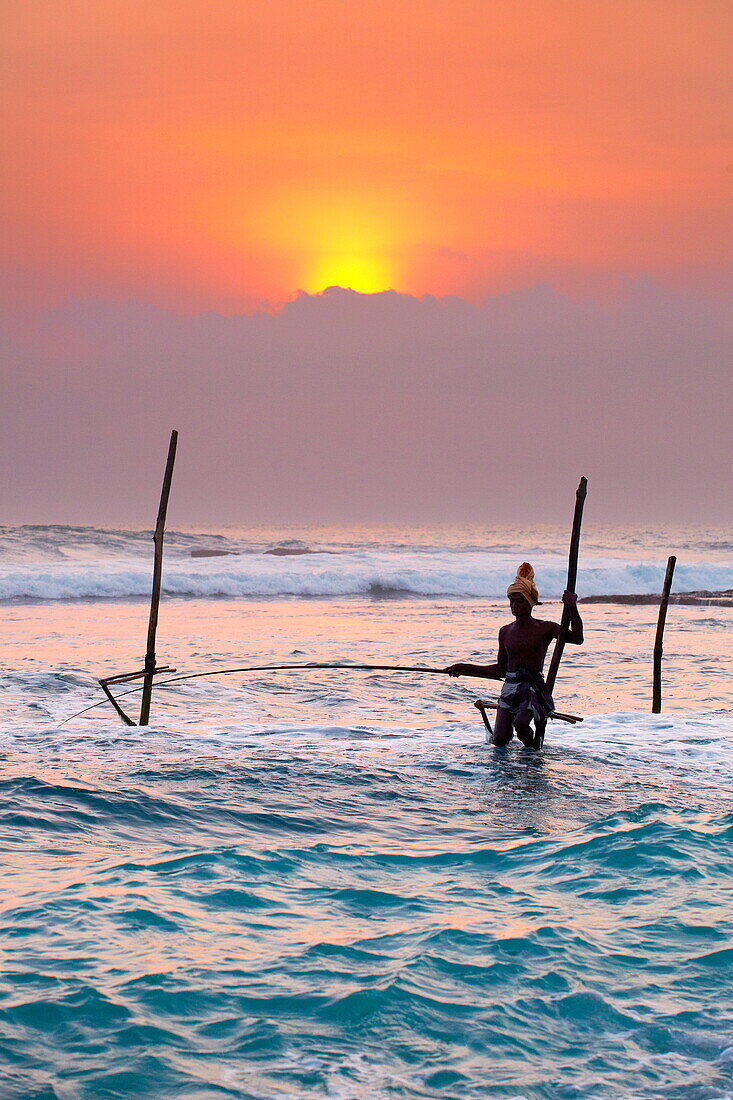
pixel 366 916
pixel 330 886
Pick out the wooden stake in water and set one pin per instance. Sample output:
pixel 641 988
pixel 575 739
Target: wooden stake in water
pixel 157 577
pixel 572 578
pixel 658 647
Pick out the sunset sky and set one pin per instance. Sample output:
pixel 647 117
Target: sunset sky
pixel 209 156
pixel 226 156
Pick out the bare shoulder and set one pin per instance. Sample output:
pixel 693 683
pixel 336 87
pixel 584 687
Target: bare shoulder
pixel 550 628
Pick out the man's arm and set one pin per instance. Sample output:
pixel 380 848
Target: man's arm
pixel 575 628
pixel 497 671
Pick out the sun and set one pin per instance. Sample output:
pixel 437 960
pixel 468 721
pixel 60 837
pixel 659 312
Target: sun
pixel 348 244
pixel 348 239
pixel 366 273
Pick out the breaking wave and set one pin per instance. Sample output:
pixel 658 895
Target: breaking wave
pixel 478 576
pixel 88 563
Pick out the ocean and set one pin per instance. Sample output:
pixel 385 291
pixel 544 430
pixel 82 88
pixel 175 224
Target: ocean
pixel 325 884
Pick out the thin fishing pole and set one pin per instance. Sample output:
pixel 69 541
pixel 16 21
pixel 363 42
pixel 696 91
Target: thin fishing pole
pixel 265 668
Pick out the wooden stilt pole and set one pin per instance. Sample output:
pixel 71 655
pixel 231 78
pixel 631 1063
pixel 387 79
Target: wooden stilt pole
pixel 481 707
pixel 157 577
pixel 572 578
pixel 658 648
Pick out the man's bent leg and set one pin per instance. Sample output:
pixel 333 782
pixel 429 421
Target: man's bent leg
pixel 523 726
pixel 503 731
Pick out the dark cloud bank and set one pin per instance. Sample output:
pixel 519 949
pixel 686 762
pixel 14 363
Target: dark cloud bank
pixel 373 407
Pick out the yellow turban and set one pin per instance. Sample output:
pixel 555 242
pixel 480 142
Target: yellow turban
pixel 524 584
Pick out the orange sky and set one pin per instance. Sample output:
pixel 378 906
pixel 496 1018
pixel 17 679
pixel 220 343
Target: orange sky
pixel 212 155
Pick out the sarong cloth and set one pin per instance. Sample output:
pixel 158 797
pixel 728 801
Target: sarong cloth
pixel 526 690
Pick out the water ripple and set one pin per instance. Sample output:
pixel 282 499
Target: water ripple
pixel 304 924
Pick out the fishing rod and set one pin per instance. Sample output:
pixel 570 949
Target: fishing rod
pixel 249 668
pixel 309 666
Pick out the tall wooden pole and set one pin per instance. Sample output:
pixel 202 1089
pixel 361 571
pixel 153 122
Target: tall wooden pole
pixel 658 648
pixel 572 577
pixel 157 577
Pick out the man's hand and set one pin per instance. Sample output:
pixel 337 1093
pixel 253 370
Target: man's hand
pixel 488 672
pixel 458 669
pixel 575 633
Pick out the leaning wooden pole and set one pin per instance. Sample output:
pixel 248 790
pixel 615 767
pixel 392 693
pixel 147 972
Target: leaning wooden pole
pixel 658 647
pixel 570 586
pixel 157 577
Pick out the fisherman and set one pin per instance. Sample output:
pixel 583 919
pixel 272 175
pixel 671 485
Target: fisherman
pixel 523 647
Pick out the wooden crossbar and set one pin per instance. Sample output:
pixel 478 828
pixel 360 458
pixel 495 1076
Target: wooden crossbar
pixel 489 704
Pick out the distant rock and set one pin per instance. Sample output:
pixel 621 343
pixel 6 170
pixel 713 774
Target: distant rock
pixel 275 551
pixel 716 599
pixel 295 549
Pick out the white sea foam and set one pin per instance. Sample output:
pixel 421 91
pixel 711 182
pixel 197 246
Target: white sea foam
pixel 64 563
pixel 439 573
